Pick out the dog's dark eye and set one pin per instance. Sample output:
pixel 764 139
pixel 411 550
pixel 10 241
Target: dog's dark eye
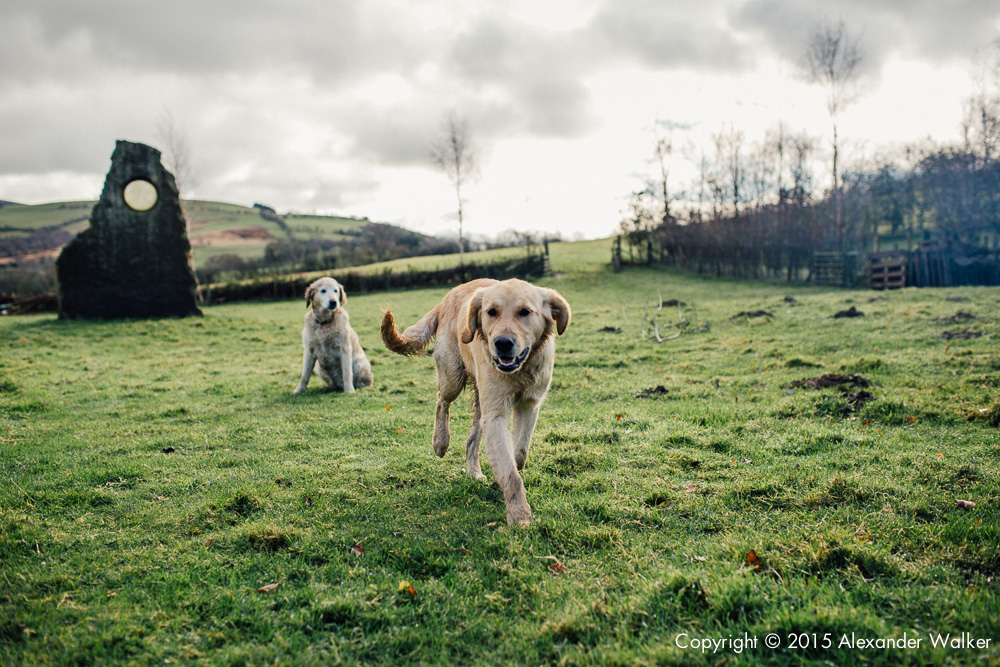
pixel 323 291
pixel 492 312
pixel 524 312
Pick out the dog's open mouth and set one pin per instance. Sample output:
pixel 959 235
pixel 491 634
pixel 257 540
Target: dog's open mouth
pixel 510 364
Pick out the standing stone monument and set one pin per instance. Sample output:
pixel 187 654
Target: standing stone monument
pixel 135 258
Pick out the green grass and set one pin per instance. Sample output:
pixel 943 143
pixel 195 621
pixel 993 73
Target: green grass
pixel 155 474
pixel 23 217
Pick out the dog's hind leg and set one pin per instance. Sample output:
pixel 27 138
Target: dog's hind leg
pixel 475 435
pixel 450 380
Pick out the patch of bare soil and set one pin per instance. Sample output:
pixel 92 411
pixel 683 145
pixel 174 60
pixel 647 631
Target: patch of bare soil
pixel 751 313
pixel 30 257
pixel 962 334
pixel 655 392
pixel 960 316
pixel 831 380
pixel 234 236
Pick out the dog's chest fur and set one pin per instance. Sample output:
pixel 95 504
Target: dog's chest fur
pixel 329 333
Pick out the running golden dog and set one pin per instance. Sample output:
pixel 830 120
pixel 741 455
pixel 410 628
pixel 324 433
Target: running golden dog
pixel 498 335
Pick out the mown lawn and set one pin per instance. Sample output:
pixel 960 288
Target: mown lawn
pixel 164 499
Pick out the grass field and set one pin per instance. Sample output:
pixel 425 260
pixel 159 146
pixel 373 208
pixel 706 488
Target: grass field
pixel 165 500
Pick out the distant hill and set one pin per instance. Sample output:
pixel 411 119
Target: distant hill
pixel 35 231
pixel 228 241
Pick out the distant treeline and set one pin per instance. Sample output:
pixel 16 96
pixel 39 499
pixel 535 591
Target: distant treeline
pixel 356 282
pixel 752 227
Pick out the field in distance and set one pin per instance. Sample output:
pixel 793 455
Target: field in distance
pixel 38 231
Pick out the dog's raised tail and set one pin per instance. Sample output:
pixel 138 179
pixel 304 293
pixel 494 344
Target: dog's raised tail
pixel 414 339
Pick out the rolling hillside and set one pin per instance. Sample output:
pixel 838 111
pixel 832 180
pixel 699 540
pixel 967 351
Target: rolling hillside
pixel 39 231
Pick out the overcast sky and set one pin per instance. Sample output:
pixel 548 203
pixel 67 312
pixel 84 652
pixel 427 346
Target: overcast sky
pixel 331 105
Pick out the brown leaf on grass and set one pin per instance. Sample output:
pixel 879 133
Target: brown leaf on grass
pixel 209 542
pixel 691 488
pixel 557 568
pixel 408 587
pixel 270 588
pixel 358 550
pixel 753 560
pixel 965 504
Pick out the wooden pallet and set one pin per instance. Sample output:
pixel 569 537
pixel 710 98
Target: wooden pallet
pixel 886 273
pixel 828 268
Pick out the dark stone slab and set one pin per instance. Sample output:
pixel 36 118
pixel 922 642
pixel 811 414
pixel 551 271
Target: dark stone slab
pixel 130 262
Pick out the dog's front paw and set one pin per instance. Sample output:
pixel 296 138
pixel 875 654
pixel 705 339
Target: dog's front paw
pixel 349 389
pixel 476 475
pixel 298 390
pixel 519 515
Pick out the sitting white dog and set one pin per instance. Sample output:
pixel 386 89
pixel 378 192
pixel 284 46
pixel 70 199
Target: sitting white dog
pixel 328 338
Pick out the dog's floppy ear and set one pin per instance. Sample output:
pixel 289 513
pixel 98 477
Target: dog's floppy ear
pixel 475 305
pixel 310 293
pixel 559 310
pixel 343 293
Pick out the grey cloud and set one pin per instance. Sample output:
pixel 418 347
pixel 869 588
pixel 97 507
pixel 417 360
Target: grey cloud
pixel 925 28
pixel 537 75
pixel 332 41
pixel 394 135
pixel 661 34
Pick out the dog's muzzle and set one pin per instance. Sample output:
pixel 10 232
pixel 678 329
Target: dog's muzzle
pixel 332 305
pixel 504 359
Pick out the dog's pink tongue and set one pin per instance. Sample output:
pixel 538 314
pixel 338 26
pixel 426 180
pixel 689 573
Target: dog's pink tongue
pixel 506 361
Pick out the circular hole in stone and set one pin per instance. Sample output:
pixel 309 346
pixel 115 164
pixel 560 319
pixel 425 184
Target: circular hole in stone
pixel 140 195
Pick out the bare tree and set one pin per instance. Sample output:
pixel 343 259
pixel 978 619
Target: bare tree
pixel 176 151
pixel 664 151
pixel 833 59
pixel 454 154
pixel 981 125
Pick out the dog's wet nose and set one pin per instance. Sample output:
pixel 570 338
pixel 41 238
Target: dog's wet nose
pixel 504 346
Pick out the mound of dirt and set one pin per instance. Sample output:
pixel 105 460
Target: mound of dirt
pixel 614 330
pixel 831 380
pixel 960 316
pixel 655 392
pixel 858 399
pixel 850 312
pixel 963 334
pixel 751 313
